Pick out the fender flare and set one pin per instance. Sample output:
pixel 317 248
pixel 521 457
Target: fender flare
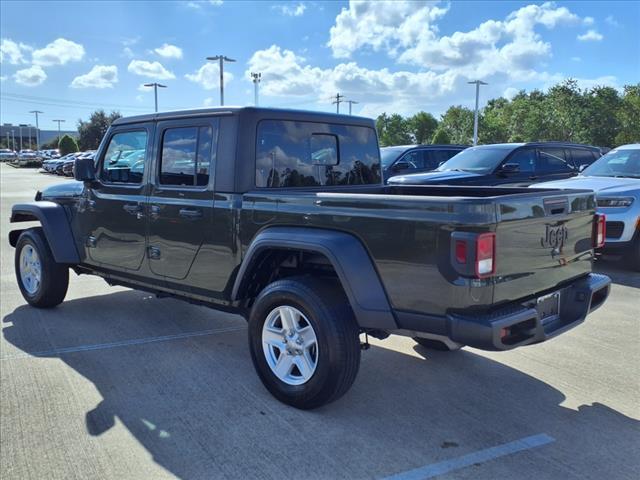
pixel 349 258
pixel 55 225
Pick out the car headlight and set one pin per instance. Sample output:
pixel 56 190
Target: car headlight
pixel 615 202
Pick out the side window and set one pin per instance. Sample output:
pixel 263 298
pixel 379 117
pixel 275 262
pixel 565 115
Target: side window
pixel 414 160
pixel 525 158
pixel 309 154
pixel 582 157
pixel 552 160
pixel 433 158
pixel 186 156
pixel 125 158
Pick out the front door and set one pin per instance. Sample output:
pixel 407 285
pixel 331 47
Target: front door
pixel 112 211
pixel 181 198
pixel 525 158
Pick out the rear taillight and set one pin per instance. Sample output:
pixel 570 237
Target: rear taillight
pixel 461 251
pixel 485 255
pixel 599 230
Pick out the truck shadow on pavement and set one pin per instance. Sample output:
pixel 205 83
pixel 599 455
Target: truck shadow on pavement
pixel 196 405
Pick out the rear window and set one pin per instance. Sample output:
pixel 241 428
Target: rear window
pixel 308 154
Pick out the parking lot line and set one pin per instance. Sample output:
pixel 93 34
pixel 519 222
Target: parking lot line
pixel 440 468
pixel 123 343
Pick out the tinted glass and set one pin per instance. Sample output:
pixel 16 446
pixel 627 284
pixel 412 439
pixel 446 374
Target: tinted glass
pixel 553 160
pixel 324 149
pixel 410 161
pixel 582 157
pixel 616 163
pixel 477 159
pixel 389 155
pixel 125 158
pixel 525 159
pixel 186 156
pixel 284 156
pixel 433 158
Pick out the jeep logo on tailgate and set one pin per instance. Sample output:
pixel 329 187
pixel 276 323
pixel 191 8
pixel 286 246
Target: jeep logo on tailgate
pixel 555 237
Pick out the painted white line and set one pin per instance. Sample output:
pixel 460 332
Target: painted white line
pixel 440 468
pixel 124 343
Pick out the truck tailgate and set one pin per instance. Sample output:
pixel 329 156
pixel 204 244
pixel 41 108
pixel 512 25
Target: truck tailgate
pixel 542 241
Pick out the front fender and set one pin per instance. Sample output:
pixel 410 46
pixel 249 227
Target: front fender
pixel 55 225
pixel 349 258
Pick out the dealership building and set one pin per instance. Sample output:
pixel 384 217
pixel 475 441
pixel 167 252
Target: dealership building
pixel 11 135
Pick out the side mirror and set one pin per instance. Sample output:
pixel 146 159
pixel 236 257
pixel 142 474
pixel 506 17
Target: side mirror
pixel 509 168
pixel 84 170
pixel 401 166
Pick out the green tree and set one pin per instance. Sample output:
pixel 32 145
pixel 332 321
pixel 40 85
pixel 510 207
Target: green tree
pixel 494 122
pixel 395 131
pixel 600 122
pixel 457 121
pixel 628 116
pixel 565 103
pixel 441 137
pixel 92 131
pixel 67 145
pixel 422 127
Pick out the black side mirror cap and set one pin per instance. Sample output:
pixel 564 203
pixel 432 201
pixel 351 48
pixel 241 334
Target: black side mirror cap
pixel 510 168
pixel 84 170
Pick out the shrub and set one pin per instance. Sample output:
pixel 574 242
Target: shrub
pixel 67 145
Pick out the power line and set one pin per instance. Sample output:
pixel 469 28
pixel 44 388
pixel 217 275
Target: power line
pixel 63 102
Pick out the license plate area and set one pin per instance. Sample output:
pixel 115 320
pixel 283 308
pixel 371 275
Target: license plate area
pixel 548 307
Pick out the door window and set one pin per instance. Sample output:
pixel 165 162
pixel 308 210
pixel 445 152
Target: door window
pixel 125 158
pixel 582 157
pixel 553 160
pixel 186 156
pixel 525 159
pixel 433 158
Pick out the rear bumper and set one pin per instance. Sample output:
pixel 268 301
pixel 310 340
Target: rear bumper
pixel 520 324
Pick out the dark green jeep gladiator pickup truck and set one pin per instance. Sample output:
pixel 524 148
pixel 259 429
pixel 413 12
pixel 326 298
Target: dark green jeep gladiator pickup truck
pixel 282 216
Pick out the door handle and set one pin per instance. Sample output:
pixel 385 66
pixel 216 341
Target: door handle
pixel 134 209
pixel 189 213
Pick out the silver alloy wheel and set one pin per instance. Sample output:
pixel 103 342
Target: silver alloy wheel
pixel 290 345
pixel 30 269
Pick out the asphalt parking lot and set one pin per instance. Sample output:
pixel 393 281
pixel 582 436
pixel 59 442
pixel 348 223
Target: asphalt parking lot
pixel 116 383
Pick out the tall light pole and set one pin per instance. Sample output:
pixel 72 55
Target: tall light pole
pixel 13 138
pixel 20 133
pixel 351 102
pixel 221 59
pixel 256 81
pixel 155 86
pixel 477 83
pixel 37 129
pixel 59 122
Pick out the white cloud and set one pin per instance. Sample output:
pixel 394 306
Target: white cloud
pixel 13 52
pixel 153 70
pixel 290 9
pixel 196 5
pixel 169 51
pixel 588 20
pixel 59 52
pixel 127 52
pixel 576 59
pixel 590 36
pixel 209 102
pixel 208 75
pixel 100 76
pixel 30 77
pixel 510 92
pixel 3 78
pixel 610 20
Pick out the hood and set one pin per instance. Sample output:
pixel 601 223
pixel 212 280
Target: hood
pixel 71 188
pixel 432 177
pixel 600 185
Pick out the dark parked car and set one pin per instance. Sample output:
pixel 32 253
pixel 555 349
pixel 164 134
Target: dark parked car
pixel 507 164
pixel 405 159
pixel 281 216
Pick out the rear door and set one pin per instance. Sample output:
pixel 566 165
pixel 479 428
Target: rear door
pixel 181 199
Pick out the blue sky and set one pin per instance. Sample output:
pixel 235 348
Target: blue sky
pixel 69 58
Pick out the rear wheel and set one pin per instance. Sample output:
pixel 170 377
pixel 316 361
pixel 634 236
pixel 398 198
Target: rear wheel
pixel 438 345
pixel 43 282
pixel 304 341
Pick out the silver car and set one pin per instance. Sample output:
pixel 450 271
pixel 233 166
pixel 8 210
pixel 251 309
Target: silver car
pixel 615 178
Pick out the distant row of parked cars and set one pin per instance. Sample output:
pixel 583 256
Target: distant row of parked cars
pixel 614 177
pixel 64 165
pixel 27 157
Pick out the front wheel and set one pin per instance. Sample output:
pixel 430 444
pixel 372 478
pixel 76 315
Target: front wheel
pixel 43 282
pixel 304 341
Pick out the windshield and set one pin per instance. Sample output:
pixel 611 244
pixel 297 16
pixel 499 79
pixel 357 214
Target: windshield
pixel 616 163
pixel 390 154
pixel 476 160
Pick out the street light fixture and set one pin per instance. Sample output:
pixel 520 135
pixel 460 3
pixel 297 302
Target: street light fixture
pixel 477 83
pixel 256 81
pixel 155 86
pixel 221 59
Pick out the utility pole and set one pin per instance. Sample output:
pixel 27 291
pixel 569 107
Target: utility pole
pixel 256 81
pixel 351 102
pixel 37 129
pixel 13 138
pixel 59 122
pixel 477 83
pixel 221 59
pixel 155 86
pixel 20 133
pixel 338 101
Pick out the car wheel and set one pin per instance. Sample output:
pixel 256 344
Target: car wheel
pixel 439 345
pixel 43 282
pixel 304 341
